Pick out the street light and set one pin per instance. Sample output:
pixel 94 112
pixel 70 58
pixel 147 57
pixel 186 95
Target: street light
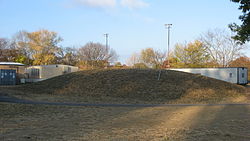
pixel 168 26
pixel 106 35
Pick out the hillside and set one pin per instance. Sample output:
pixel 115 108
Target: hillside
pixel 138 84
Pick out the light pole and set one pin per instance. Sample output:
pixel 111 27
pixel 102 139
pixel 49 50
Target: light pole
pixel 106 35
pixel 168 26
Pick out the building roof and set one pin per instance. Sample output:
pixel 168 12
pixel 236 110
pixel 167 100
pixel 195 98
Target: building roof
pixel 212 68
pixel 52 65
pixel 11 63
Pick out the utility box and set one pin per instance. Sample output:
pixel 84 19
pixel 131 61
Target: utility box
pixel 18 67
pixel 7 77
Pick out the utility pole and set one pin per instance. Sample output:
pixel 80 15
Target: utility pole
pixel 168 26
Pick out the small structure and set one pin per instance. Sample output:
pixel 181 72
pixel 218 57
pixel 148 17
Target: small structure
pixel 234 75
pixel 39 73
pixel 11 73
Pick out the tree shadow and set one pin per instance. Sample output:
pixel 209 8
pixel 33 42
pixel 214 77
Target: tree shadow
pixel 221 123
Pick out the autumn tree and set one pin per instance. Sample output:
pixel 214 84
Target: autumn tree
pixel 140 66
pixel 37 48
pixel 152 58
pixel 190 55
pixel 243 30
pixel 242 61
pixel 221 47
pixel 96 55
pixel 118 64
pixel 44 47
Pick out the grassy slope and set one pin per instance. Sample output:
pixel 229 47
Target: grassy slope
pixel 141 85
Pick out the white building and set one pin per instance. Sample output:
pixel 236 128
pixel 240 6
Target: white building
pixel 39 73
pixel 234 75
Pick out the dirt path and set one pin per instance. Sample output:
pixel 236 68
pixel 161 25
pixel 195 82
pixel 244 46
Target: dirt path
pixel 7 99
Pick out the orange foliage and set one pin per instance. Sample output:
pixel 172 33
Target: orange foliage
pixel 241 62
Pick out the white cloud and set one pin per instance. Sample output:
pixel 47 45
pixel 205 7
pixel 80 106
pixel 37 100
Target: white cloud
pixel 97 3
pixel 133 4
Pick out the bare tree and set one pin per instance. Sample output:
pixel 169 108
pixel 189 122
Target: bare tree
pixel 68 56
pixel 97 53
pixel 3 47
pixel 21 40
pixel 134 59
pixel 221 47
pixel 3 43
pixel 8 52
pixel 160 57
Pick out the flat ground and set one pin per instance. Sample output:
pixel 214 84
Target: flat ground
pixel 41 122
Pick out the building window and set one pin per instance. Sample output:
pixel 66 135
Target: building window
pixel 34 73
pixel 243 75
pixel 69 69
pixel 230 75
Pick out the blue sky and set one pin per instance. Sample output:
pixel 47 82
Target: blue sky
pixel 132 24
